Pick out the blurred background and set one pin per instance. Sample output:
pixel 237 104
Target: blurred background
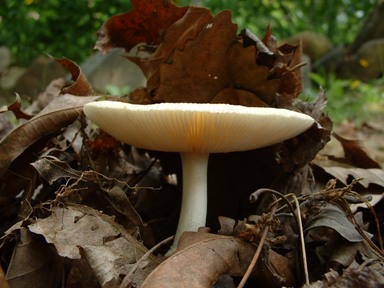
pixel 343 43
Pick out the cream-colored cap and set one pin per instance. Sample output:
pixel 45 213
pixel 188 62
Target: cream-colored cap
pixel 193 127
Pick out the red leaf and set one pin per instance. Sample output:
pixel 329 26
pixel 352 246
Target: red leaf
pixel 146 22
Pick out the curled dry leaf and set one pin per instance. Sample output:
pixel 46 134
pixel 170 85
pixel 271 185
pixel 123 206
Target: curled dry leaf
pixel 78 231
pixel 52 169
pixel 344 159
pixel 62 111
pixel 354 154
pixel 80 86
pixel 201 258
pixel 15 108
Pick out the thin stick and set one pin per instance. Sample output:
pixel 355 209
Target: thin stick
pixel 302 240
pixel 258 250
pixel 255 195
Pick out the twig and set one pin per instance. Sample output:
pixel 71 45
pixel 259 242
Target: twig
pixel 247 34
pixel 302 241
pixel 258 250
pixel 373 212
pixel 254 196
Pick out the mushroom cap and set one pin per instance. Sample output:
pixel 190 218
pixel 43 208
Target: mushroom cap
pixel 196 127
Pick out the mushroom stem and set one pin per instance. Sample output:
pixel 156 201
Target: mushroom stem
pixel 194 202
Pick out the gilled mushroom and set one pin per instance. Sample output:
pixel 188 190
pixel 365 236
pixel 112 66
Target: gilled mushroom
pixel 195 130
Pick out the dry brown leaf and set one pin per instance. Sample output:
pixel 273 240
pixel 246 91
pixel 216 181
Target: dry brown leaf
pixel 177 36
pixel 201 264
pixel 297 152
pixel 119 200
pixel 80 86
pixel 15 108
pixel 230 69
pixel 33 263
pixel 201 258
pixel 52 169
pixel 368 274
pixel 80 275
pixel 3 280
pixel 354 154
pixel 187 80
pixel 61 112
pixel 78 231
pixel 248 76
pixel 333 217
pixel 145 23
pixel 368 176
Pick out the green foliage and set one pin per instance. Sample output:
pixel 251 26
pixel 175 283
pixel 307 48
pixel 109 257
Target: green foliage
pixel 67 28
pixel 117 91
pixel 338 20
pixel 350 99
pixel 59 28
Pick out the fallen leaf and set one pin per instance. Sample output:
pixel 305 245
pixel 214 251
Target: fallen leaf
pixel 368 274
pixel 15 108
pixel 78 231
pixel 80 86
pixel 252 75
pixel 62 111
pixel 119 200
pixel 177 36
pixel 331 216
pixel 80 275
pixel 201 258
pixel 367 176
pixel 354 154
pixel 147 23
pixel 297 152
pixel 248 76
pixel 33 261
pixel 53 89
pixel 186 80
pixel 52 169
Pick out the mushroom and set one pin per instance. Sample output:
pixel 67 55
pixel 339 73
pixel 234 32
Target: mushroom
pixel 195 130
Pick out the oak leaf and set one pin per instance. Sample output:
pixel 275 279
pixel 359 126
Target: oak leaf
pixel 77 232
pixel 145 23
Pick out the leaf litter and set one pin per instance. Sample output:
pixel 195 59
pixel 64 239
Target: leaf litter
pixel 98 211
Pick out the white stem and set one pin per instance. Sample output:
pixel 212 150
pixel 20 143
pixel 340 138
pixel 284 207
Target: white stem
pixel 194 202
